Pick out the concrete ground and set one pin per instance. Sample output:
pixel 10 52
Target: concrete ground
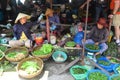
pixel 50 66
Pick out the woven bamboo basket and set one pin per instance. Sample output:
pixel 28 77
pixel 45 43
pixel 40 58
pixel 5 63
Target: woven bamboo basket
pixel 41 56
pixel 20 71
pixel 2 55
pixel 19 57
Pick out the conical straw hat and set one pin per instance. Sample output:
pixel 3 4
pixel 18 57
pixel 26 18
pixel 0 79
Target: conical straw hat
pixel 21 15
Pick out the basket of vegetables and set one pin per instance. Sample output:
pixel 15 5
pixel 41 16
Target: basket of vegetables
pixel 30 67
pixel 92 47
pixel 43 51
pixel 116 68
pixel 70 44
pixel 97 75
pixel 115 77
pixel 16 54
pixel 1 55
pixel 105 63
pixel 79 72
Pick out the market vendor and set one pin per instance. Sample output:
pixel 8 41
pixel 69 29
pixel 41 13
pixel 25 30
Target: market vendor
pixel 21 30
pixel 99 35
pixel 53 20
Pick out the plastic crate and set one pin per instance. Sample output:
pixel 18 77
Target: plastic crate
pixel 79 76
pixel 114 75
pixel 96 70
pixel 115 67
pixel 109 67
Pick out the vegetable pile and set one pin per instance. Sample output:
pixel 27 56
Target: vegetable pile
pixel 16 54
pixel 30 67
pixel 112 50
pixel 116 78
pixel 92 46
pixel 114 60
pixel 102 62
pixel 118 69
pixel 70 44
pixel 3 48
pixel 97 76
pixel 1 54
pixel 44 50
pixel 79 70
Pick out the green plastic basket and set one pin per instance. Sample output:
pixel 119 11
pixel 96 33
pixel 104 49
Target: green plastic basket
pixel 79 76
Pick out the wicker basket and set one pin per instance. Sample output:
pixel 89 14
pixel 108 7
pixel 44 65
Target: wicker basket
pixel 41 56
pixel 17 59
pixel 38 60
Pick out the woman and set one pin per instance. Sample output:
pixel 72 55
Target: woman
pixel 115 8
pixel 22 33
pixel 99 35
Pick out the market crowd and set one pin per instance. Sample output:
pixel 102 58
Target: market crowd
pixel 28 13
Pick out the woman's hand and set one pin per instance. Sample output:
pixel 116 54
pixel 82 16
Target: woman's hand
pixel 97 43
pixel 110 16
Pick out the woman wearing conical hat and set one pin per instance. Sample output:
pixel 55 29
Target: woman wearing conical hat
pixel 21 30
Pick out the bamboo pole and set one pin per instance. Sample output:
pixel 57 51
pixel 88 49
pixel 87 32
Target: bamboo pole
pixel 48 29
pixel 85 32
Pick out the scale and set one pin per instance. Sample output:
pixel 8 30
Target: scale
pixel 91 56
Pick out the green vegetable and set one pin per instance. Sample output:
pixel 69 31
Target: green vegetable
pixel 118 69
pixel 97 76
pixel 114 60
pixel 92 46
pixel 70 44
pixel 14 54
pixel 116 78
pixel 30 67
pixel 79 70
pixel 3 48
pixel 106 63
pixel 112 49
pixel 44 50
pixel 1 54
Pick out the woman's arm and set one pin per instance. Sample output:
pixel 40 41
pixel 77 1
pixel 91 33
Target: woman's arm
pixel 116 6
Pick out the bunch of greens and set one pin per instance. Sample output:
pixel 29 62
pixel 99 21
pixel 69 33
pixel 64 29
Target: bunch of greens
pixel 3 48
pixel 1 54
pixel 114 60
pixel 112 50
pixel 44 50
pixel 7 66
pixel 97 76
pixel 79 70
pixel 14 54
pixel 92 46
pixel 70 44
pixel 105 63
pixel 30 67
pixel 118 69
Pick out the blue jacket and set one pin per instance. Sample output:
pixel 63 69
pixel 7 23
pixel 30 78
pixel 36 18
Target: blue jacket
pixel 18 28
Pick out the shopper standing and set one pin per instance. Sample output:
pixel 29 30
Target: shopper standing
pixel 115 7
